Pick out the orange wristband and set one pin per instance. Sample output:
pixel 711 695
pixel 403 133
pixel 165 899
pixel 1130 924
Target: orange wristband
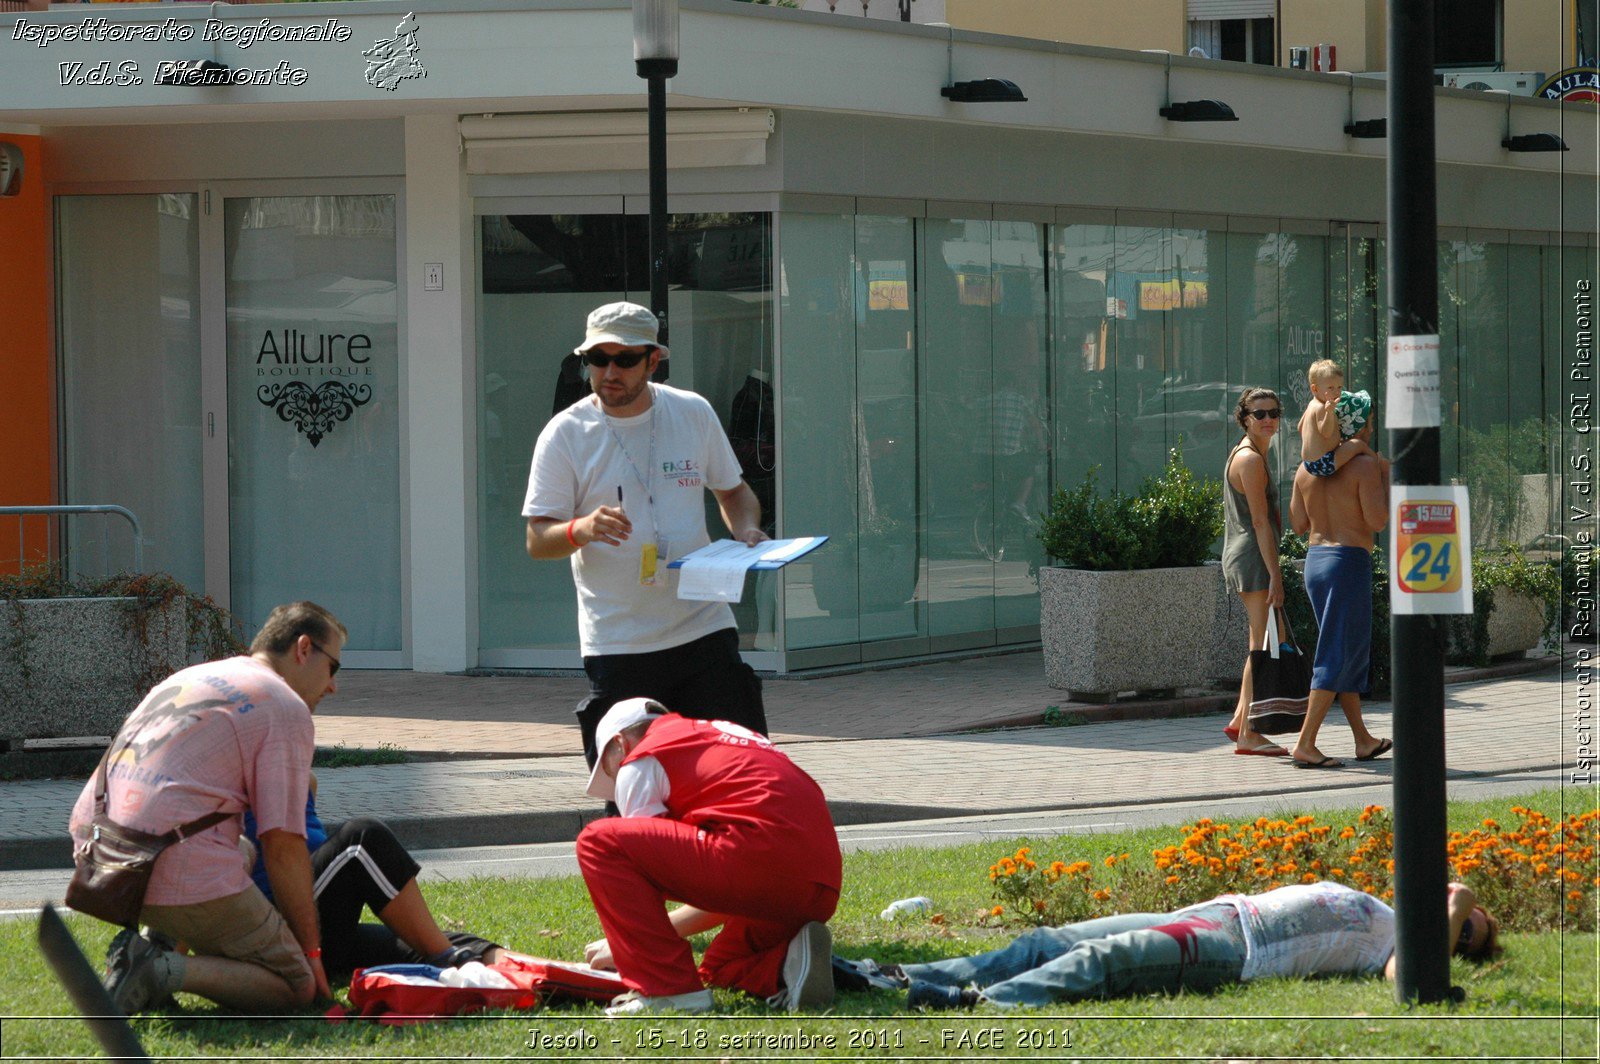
pixel 570 537
pixel 314 954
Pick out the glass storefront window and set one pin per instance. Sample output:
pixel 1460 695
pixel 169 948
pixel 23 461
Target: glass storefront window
pixel 541 276
pixel 910 346
pixel 958 291
pixel 314 410
pixel 1084 362
pixel 128 292
pixel 817 286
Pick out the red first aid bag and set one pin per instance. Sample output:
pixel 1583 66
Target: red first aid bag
pixel 412 993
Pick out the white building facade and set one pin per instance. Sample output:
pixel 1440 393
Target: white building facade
pixel 309 329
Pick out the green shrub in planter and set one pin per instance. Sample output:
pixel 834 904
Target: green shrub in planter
pixel 1468 636
pixel 1172 522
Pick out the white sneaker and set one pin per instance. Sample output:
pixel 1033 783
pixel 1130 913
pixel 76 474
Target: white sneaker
pixel 634 1003
pixel 808 970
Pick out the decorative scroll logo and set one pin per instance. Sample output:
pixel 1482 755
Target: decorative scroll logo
pixel 392 61
pixel 314 412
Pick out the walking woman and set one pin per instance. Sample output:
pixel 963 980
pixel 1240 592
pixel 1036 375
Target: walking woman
pixel 1251 530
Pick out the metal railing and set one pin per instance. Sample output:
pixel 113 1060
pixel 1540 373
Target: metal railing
pixel 22 513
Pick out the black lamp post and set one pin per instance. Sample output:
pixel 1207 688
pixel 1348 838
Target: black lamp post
pixel 655 56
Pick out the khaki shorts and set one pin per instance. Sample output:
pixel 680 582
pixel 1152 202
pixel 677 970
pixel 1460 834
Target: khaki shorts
pixel 242 927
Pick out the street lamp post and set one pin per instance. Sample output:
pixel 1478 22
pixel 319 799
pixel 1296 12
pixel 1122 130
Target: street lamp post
pixel 655 56
pixel 1422 945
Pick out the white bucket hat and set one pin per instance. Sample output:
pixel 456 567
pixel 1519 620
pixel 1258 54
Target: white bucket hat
pixel 627 324
pixel 618 719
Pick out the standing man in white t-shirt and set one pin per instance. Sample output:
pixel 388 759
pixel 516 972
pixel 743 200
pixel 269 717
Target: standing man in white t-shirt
pixel 618 485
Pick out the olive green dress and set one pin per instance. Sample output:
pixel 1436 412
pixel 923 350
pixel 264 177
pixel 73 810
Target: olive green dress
pixel 1242 567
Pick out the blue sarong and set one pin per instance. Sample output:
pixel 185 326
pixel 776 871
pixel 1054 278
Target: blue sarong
pixel 1339 584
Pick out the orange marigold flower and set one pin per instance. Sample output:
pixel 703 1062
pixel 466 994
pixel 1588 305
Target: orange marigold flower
pixel 1101 895
pixel 1171 880
pixel 1336 873
pixel 998 910
pixel 1301 820
pixel 1309 877
pixel 1038 906
pixel 1111 862
pixel 1490 824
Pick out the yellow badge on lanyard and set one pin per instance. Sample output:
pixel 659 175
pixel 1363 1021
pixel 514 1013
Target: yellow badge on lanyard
pixel 647 565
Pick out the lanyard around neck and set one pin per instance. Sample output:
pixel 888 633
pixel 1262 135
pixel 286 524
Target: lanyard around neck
pixel 650 458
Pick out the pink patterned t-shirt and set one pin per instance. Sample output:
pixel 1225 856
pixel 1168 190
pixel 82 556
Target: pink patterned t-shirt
pixel 227 735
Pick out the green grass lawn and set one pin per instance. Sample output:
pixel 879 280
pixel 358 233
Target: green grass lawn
pixel 1536 1001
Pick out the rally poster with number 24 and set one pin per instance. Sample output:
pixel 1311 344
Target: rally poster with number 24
pixel 1430 549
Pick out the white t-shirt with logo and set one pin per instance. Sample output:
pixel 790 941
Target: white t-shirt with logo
pixel 1313 929
pixel 582 457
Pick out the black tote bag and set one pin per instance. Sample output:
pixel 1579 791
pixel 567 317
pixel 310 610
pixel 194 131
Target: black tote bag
pixel 1281 681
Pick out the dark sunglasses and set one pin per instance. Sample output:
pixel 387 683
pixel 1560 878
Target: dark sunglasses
pixel 1262 415
pixel 623 359
pixel 333 662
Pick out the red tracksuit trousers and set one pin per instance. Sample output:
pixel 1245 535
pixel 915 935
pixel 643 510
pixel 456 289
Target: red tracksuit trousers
pixel 634 865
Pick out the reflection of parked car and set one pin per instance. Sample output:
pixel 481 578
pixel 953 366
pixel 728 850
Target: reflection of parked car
pixel 1199 412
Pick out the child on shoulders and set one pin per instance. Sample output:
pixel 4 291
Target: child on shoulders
pixel 1324 446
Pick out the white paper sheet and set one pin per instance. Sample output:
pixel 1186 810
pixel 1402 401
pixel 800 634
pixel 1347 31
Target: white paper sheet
pixel 784 549
pixel 715 572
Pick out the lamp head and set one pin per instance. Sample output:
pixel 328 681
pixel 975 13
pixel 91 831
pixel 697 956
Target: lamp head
pixel 655 35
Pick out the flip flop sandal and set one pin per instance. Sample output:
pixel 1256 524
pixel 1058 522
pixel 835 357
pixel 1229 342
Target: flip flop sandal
pixel 1383 747
pixel 1327 762
pixel 1264 751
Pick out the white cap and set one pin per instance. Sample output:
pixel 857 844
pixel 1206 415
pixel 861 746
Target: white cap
pixel 618 719
pixel 627 324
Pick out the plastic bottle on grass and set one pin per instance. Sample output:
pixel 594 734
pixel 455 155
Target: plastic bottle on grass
pixel 906 906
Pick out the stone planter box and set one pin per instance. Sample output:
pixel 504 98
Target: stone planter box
pixel 1230 635
pixel 1113 632
pixel 84 664
pixel 1516 624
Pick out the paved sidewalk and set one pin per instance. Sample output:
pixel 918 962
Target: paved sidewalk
pixel 889 745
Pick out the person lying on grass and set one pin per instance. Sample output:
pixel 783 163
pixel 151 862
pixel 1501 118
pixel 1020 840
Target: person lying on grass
pixel 715 816
pixel 1302 930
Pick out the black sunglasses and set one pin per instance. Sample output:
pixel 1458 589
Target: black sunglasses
pixel 1262 415
pixel 624 359
pixel 333 662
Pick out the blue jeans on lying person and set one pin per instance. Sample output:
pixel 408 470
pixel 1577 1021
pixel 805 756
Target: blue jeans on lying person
pixel 1201 949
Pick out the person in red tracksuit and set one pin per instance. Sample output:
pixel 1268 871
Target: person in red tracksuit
pixel 714 816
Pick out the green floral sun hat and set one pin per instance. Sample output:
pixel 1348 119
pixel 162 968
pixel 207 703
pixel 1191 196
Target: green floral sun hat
pixel 1354 410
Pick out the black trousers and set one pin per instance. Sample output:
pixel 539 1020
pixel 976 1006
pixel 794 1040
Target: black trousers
pixel 363 865
pixel 704 679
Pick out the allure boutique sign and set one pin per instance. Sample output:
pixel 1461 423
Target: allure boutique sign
pixel 313 380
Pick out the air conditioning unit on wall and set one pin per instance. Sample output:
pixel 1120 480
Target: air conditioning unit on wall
pixel 1516 82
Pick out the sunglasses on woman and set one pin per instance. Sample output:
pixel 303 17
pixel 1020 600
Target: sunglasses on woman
pixel 623 359
pixel 1262 415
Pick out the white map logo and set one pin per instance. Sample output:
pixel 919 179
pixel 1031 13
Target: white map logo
pixel 393 61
